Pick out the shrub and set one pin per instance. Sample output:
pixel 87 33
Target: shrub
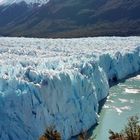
pixel 84 136
pixel 130 132
pixel 51 134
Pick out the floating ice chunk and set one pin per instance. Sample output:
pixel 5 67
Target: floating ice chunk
pixel 123 100
pixel 133 91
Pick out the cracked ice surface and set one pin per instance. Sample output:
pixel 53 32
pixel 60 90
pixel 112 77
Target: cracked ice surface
pixel 59 82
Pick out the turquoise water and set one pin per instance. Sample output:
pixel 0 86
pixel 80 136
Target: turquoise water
pixel 123 101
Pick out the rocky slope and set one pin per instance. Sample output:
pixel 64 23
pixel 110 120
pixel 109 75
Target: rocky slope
pixel 69 18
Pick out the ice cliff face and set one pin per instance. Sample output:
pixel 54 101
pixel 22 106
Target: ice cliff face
pixel 58 83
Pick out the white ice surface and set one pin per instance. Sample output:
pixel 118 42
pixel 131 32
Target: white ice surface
pixel 59 82
pixel 9 2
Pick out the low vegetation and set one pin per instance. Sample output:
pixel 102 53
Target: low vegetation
pixel 50 134
pixel 84 136
pixel 130 132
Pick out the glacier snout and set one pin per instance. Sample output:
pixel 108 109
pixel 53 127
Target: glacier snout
pixel 60 86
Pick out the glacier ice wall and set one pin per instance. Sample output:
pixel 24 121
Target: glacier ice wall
pixel 58 83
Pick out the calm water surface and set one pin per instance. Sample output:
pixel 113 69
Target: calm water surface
pixel 123 101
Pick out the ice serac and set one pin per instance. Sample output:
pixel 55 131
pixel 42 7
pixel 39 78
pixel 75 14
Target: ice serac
pixel 58 83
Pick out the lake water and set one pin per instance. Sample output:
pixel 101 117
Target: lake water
pixel 123 101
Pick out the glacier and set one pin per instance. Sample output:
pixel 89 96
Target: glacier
pixel 59 82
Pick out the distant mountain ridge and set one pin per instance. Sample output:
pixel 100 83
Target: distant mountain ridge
pixel 71 18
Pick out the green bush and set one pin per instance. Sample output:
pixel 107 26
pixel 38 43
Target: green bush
pixel 130 132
